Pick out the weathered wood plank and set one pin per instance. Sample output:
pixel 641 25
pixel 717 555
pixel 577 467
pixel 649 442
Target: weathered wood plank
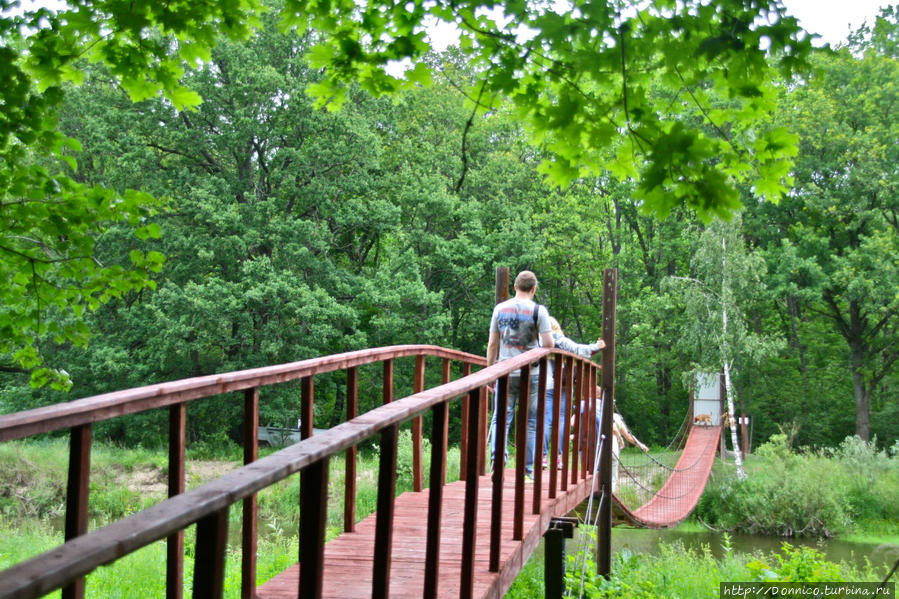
pixel 349 558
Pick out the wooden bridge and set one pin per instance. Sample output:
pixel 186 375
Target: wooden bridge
pixel 465 539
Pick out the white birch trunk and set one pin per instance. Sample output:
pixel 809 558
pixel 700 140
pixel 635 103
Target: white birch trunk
pixel 728 389
pixel 725 358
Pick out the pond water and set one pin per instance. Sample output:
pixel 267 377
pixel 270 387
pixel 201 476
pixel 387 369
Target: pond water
pixel 641 540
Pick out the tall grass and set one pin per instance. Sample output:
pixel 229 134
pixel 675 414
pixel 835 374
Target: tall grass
pixel 32 503
pixel 142 574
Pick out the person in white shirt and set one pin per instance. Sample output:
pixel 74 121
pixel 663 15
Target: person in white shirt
pixel 620 436
pixel 518 325
pixel 582 349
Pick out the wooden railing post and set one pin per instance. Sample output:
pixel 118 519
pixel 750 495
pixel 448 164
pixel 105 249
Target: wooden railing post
pixel 483 423
pixel 77 491
pixel 174 574
pixel 554 440
pixel 594 424
pixel 566 422
pixel 313 522
pixel 418 385
pixel 538 444
pixel 249 533
pixel 464 432
pixel 587 395
pixel 521 436
pixel 435 497
pixel 445 377
pixel 499 466
pixel 387 383
pixel 384 516
pixel 502 284
pixel 349 491
pixel 470 510
pixel 209 560
pixel 307 406
pixel 604 527
pixel 313 505
pixel 578 407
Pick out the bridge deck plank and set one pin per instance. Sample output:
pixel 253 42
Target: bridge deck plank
pixel 349 561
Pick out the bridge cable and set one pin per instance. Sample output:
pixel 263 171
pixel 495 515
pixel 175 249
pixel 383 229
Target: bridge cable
pixel 582 553
pixel 657 493
pixel 677 437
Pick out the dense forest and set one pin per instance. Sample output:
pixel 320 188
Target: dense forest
pixel 275 230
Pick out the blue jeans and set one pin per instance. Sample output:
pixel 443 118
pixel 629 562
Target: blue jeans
pixel 514 386
pixel 548 420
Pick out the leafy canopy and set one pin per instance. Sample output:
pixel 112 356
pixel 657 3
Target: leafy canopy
pixel 579 76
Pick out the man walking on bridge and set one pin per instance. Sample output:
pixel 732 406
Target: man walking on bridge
pixel 516 326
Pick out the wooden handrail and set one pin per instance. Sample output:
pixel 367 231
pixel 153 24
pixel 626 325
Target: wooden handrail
pixel 207 503
pixel 130 401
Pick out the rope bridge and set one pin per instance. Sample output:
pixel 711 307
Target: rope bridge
pixel 661 491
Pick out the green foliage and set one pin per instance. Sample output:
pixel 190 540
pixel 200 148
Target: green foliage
pixel 796 564
pixel 290 232
pixel 832 243
pixel 784 494
pixel 585 90
pixel 681 572
pixel 51 221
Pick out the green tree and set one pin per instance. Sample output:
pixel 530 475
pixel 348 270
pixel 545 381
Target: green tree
pixel 727 279
pixel 279 228
pixel 836 234
pixel 578 80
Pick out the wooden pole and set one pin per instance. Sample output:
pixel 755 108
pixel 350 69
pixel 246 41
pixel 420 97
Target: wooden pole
pixel 77 491
pixel 502 284
pixel 249 529
pixel 604 528
pixel 744 441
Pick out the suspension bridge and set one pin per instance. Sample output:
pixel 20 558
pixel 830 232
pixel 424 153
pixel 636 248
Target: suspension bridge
pixel 468 538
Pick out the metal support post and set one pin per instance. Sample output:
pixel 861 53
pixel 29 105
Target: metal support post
pixel 554 555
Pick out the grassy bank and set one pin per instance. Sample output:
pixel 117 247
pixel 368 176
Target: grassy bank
pixel 679 572
pixel 850 490
pixel 124 481
pixel 821 493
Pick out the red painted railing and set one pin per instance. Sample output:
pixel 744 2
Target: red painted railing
pixel 207 506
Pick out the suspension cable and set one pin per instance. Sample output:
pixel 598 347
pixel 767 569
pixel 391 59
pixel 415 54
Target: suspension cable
pixel 657 493
pixel 677 437
pixel 582 553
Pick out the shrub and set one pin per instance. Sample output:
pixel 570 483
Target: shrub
pixel 796 564
pixel 815 493
pixel 785 494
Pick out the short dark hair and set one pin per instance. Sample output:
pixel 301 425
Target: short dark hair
pixel 525 281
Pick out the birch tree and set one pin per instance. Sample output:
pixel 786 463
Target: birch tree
pixel 726 279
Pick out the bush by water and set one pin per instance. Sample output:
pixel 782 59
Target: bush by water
pixel 819 493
